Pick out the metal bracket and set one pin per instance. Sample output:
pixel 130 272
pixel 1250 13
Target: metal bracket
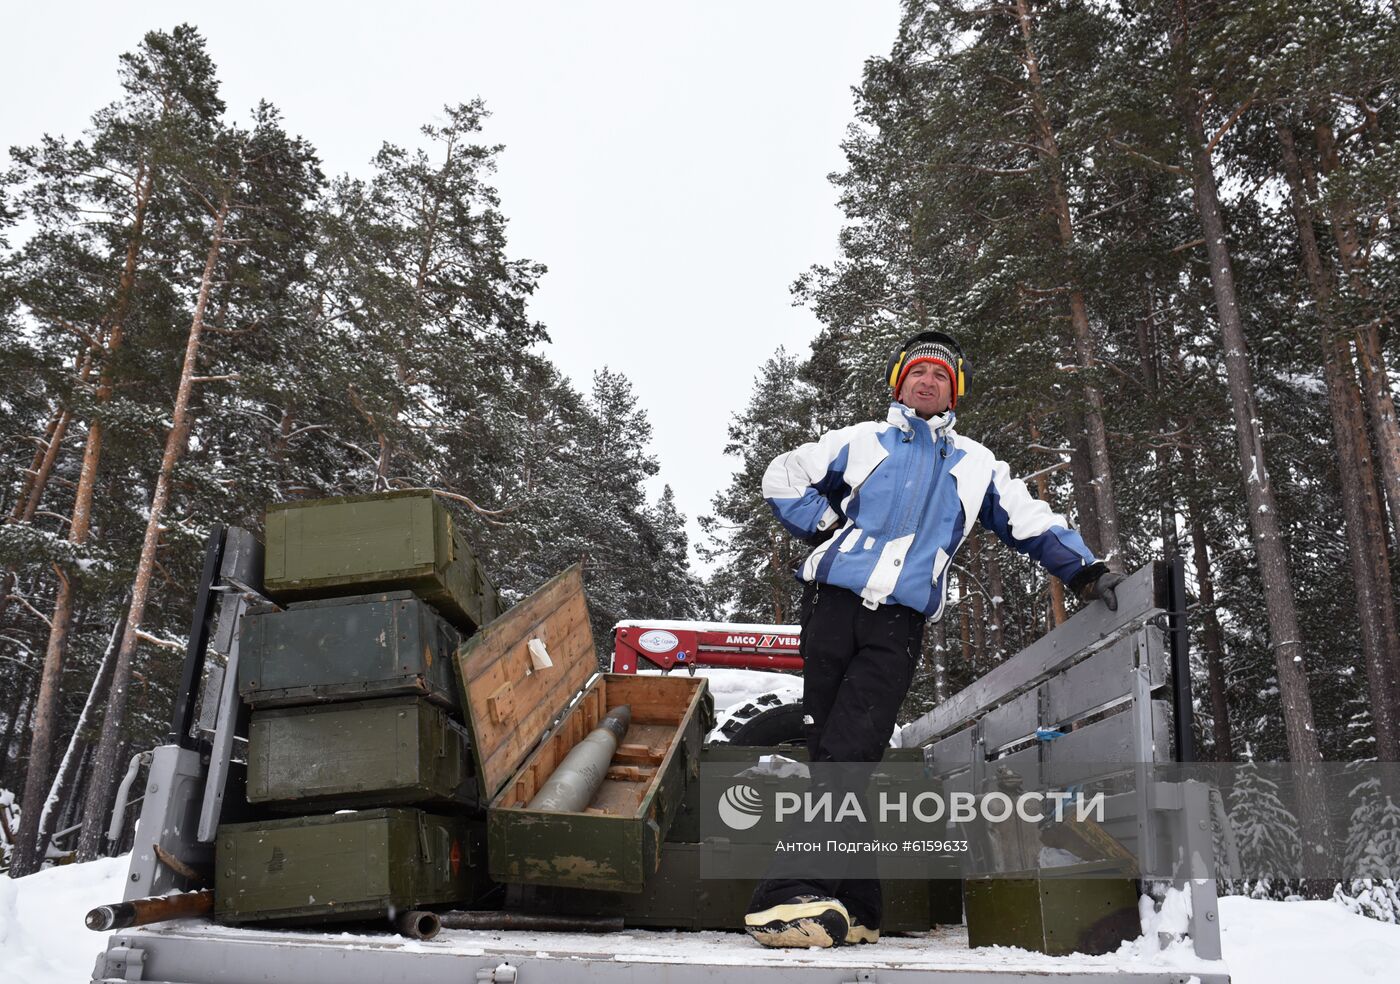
pixel 1166 796
pixel 500 974
pixel 1143 756
pixel 121 963
pixel 242 564
pixel 207 723
pixel 979 757
pixel 1200 851
pixel 114 829
pixel 423 845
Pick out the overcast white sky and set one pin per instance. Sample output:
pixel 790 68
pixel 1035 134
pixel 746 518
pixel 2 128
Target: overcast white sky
pixel 667 161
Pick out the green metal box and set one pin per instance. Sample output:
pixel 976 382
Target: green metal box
pixel 1057 915
pixel 387 752
pixel 385 542
pixel 526 714
pixel 346 867
pixel 337 649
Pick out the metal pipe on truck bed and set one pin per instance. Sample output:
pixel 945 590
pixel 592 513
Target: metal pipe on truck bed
pixel 572 785
pixel 141 912
pixel 465 919
pixel 417 924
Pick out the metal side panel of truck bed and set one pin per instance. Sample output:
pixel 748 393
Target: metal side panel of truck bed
pixel 200 953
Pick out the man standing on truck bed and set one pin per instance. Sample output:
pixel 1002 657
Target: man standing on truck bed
pixel 887 504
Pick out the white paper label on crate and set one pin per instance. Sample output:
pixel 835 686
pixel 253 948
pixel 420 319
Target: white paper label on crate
pixel 539 655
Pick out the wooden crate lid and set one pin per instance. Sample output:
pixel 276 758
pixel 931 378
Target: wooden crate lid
pixel 509 704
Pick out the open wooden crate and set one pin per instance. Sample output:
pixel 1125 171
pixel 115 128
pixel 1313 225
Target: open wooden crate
pixel 525 717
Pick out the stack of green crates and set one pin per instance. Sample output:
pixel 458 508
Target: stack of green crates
pixel 356 728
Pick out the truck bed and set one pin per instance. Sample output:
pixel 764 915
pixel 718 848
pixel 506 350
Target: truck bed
pixel 197 952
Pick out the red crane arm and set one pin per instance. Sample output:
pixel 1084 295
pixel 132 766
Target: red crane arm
pixel 671 644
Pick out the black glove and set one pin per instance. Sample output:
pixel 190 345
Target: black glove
pixel 1096 583
pixel 821 536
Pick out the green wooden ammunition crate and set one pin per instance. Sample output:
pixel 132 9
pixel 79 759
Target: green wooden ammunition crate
pixel 676 897
pixel 524 720
pixel 616 844
pixel 385 542
pixel 392 751
pixel 344 867
pixel 1059 914
pixel 346 649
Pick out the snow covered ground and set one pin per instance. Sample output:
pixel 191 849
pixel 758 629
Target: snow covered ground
pixel 43 940
pixel 42 936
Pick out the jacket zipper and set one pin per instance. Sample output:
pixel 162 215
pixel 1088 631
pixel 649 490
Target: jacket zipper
pixel 926 475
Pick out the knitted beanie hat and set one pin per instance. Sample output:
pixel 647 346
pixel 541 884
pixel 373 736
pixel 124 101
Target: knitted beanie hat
pixel 939 353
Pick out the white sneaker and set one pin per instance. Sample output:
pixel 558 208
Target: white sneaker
pixel 860 933
pixel 803 921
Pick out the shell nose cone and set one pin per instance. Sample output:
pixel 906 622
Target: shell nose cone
pixel 618 720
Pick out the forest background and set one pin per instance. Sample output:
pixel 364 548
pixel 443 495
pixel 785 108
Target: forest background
pixel 1165 233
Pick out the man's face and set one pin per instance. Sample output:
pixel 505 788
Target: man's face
pixel 926 390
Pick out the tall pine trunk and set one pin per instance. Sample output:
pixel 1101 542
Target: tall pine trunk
pixel 1147 352
pixel 1272 558
pixel 64 778
pixel 105 759
pixel 1057 588
pixel 1380 405
pixel 1096 434
pixel 21 704
pixel 965 628
pixel 45 443
pixel 778 576
pixel 1081 472
pixel 1361 509
pixel 1212 638
pixel 26 858
pixel 1212 635
pixel 977 614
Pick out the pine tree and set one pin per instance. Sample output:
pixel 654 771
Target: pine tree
pixel 433 308
pixel 254 186
pixel 170 97
pixel 756 557
pixel 1266 832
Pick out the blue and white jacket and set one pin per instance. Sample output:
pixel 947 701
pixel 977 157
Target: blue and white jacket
pixel 903 494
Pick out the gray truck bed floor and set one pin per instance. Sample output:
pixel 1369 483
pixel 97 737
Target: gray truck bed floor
pixel 201 953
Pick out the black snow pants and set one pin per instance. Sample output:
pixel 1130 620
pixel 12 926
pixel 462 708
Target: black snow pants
pixel 858 664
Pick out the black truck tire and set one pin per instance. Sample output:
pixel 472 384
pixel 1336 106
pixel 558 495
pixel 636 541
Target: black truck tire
pixel 765 721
